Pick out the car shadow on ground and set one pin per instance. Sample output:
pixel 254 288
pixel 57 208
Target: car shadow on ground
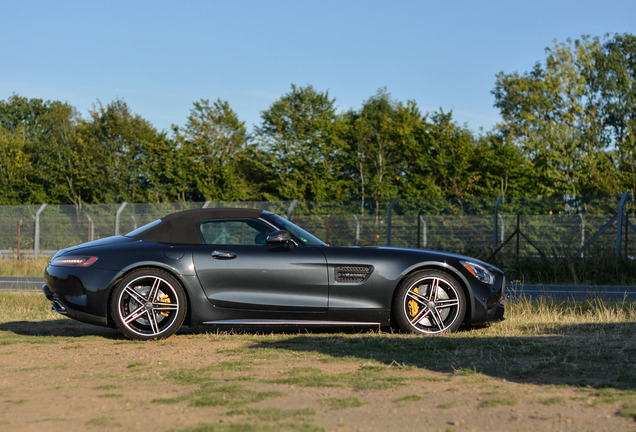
pixel 594 355
pixel 59 328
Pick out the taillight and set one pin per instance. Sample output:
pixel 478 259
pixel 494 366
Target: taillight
pixel 74 261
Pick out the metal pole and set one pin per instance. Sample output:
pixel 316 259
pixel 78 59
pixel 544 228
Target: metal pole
pixel 291 209
pixel 619 222
pixel 388 232
pixel 582 233
pixel 626 234
pixel 119 210
pixel 90 227
pixel 19 237
pixel 496 219
pixel 424 232
pixel 518 232
pixel 357 230
pixel 36 239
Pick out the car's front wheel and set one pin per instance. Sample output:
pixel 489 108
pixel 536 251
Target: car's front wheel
pixel 148 304
pixel 429 302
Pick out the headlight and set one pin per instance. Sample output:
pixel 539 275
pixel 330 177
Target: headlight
pixel 479 272
pixel 73 261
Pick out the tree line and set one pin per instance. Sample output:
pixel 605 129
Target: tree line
pixel 568 129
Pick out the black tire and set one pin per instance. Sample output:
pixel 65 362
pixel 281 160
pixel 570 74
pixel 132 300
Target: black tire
pixel 429 302
pixel 148 304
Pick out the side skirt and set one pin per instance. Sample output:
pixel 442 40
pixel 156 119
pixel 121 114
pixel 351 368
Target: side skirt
pixel 273 322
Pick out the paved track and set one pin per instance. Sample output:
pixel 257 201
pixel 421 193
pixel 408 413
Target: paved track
pixel 13 283
pixel 562 292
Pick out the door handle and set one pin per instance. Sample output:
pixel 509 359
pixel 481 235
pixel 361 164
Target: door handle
pixel 223 255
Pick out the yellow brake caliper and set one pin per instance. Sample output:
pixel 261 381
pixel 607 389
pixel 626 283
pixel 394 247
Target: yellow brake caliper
pixel 165 299
pixel 413 307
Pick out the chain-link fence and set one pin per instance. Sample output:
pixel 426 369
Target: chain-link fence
pixel 477 227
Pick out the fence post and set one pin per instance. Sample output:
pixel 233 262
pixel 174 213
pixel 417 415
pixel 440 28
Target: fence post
pixel 291 209
pixel 582 233
pixel 419 230
pixel 19 236
pixel 619 222
pixel 388 230
pixel 499 199
pixel 117 215
pixel 357 230
pixel 90 228
pixel 36 236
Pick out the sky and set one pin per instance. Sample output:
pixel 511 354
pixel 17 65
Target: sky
pixel 162 56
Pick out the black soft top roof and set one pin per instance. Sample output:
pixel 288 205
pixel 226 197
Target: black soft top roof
pixel 183 227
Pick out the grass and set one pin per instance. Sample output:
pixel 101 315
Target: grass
pixel 23 266
pixel 546 343
pixel 344 403
pixel 499 401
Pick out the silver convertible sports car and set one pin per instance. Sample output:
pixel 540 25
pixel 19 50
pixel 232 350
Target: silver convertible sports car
pixel 242 267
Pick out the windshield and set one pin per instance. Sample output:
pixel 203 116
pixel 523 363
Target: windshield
pixel 305 237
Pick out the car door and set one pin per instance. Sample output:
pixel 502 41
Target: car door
pixel 238 270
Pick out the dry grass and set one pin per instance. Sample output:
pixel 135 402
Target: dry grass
pixel 526 317
pixel 547 358
pixel 25 306
pixel 23 266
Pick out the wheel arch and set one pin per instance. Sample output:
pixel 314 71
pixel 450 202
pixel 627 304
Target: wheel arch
pixel 446 268
pixel 150 266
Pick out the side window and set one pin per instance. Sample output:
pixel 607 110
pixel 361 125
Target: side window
pixel 234 232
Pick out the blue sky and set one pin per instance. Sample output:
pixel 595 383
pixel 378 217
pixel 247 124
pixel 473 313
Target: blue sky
pixel 161 56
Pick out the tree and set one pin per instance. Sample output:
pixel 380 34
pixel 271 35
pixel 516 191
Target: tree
pixel 211 146
pixel 374 155
pixel 503 168
pixel 15 166
pixel 302 135
pixel 47 133
pixel 613 80
pixel 125 154
pixel 551 114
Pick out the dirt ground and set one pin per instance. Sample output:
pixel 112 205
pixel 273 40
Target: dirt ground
pixel 103 382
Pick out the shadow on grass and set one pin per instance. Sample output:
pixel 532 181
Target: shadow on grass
pixel 596 355
pixel 59 328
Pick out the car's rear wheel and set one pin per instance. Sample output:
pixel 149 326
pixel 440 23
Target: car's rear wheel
pixel 429 302
pixel 148 304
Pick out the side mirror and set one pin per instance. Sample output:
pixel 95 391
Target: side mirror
pixel 279 237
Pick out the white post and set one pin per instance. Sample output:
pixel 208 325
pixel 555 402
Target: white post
pixel 119 210
pixel 36 239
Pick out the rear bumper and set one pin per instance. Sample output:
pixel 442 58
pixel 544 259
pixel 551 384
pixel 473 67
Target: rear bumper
pixel 59 306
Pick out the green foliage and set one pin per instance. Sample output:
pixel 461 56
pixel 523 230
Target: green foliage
pixel 207 149
pixel 301 137
pixel 568 130
pixel 574 116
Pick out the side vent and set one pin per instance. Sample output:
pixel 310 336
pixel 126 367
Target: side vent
pixel 352 274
